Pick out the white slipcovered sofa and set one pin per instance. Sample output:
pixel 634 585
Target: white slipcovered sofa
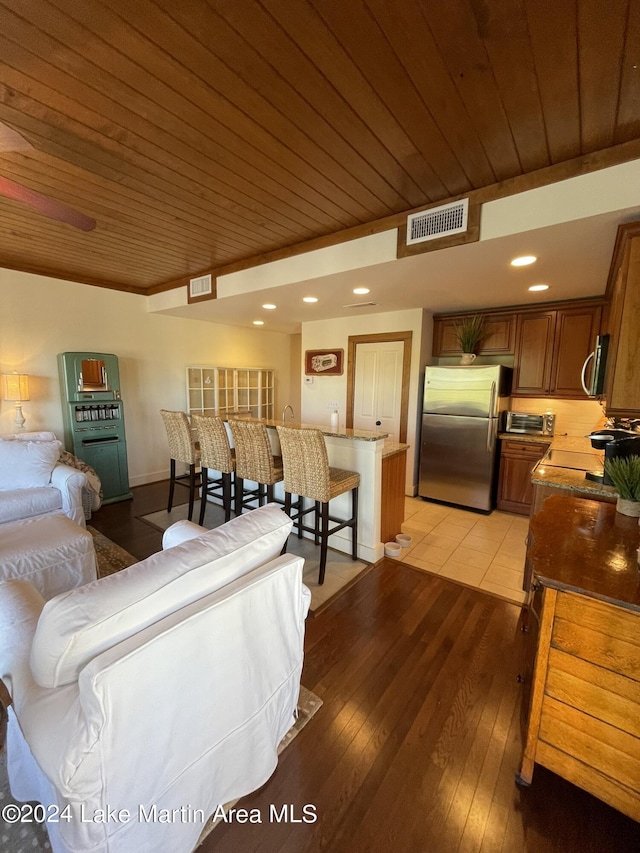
pixel 33 482
pixel 166 686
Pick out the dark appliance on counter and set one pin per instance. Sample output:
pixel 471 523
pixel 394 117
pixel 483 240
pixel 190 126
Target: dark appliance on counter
pixel 93 417
pixel 462 409
pixel 615 443
pixel 595 386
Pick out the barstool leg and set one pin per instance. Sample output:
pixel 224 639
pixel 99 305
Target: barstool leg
pixel 238 496
pixel 203 494
pixel 172 483
pixel 316 518
pixel 354 528
pixel 324 541
pixel 226 496
pixel 192 488
pixel 300 505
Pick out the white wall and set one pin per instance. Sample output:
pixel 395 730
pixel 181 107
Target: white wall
pixel 41 317
pixel 334 334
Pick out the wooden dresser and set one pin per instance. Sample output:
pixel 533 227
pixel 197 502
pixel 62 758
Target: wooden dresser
pixel 583 719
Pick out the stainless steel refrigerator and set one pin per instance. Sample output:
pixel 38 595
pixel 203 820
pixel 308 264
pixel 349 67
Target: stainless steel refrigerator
pixel 460 422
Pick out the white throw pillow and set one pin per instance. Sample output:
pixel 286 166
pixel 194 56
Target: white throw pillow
pixel 27 464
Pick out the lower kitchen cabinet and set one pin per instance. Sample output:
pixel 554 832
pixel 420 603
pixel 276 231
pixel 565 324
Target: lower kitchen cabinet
pixel 517 461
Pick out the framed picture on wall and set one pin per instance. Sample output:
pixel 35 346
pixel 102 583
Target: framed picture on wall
pixel 323 362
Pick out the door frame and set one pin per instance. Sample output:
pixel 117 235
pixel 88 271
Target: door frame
pixel 380 338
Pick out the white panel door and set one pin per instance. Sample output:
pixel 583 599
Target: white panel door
pixel 378 386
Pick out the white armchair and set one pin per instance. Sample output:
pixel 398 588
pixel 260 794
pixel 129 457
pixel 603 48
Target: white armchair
pixel 165 686
pixel 33 482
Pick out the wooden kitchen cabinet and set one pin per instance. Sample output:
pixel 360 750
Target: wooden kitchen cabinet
pixel 551 347
pixel 499 341
pixel 517 461
pixel 583 711
pixel 622 322
pixel 549 344
pixel 394 466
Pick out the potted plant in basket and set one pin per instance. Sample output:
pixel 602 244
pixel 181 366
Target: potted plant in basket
pixel 470 331
pixel 624 473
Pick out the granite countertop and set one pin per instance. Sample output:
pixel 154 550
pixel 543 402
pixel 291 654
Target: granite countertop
pixel 325 429
pixel 586 546
pixel 392 448
pixel 546 473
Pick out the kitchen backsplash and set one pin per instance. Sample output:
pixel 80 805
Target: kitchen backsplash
pixel 573 417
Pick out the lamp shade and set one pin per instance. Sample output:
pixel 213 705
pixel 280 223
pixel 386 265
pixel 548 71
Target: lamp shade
pixel 16 387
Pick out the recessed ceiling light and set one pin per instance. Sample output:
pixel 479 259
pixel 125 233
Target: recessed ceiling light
pixel 539 287
pixel 523 261
pixel 360 291
pixel 258 322
pixel 309 299
pixel 269 306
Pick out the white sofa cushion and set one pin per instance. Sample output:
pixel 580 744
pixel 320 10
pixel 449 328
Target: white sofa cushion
pixel 78 625
pixel 26 503
pixel 27 464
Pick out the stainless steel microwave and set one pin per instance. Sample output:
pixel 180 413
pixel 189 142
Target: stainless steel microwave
pixel 594 387
pixel 529 424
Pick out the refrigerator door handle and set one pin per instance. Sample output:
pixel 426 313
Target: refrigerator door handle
pixel 491 415
pixel 591 355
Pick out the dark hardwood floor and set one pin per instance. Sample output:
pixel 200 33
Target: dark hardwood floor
pixel 418 740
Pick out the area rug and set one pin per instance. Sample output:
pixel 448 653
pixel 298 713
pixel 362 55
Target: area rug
pixel 341 573
pixel 29 837
pixel 111 557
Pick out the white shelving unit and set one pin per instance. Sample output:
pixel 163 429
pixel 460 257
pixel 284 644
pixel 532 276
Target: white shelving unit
pixel 222 390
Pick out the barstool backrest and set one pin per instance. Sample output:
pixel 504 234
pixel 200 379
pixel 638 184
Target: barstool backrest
pixel 215 451
pixel 254 456
pixel 181 442
pixel 305 463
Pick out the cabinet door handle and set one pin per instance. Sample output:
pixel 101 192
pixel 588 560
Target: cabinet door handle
pixel 520 679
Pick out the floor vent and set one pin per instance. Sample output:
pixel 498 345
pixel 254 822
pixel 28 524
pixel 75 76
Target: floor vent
pixel 201 286
pixel 438 222
pixel 360 305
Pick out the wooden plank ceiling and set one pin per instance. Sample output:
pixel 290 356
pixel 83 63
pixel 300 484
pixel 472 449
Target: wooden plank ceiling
pixel 198 134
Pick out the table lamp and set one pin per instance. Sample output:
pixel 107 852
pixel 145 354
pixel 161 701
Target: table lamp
pixel 17 391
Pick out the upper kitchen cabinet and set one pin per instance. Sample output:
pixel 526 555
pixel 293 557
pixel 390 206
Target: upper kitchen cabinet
pixel 551 347
pixel 622 322
pixel 500 339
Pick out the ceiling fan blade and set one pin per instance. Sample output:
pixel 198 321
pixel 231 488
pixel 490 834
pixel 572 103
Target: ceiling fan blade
pixel 12 140
pixel 45 205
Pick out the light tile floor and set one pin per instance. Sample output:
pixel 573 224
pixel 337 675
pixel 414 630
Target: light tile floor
pixel 483 551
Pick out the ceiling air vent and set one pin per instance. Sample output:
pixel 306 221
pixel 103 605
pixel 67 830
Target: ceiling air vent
pixel 438 222
pixel 200 286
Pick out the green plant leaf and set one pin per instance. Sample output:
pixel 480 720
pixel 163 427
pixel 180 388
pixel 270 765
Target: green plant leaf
pixel 470 331
pixel 624 473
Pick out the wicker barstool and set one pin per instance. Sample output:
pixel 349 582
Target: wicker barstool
pixel 215 455
pixel 182 448
pixel 254 461
pixel 307 474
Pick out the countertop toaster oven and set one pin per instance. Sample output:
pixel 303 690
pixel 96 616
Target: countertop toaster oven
pixel 524 423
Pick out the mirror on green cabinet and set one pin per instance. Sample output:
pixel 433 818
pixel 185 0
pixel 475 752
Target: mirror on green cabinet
pixel 93 376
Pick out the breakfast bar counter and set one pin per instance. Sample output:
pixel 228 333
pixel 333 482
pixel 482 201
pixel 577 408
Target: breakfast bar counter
pixel 353 450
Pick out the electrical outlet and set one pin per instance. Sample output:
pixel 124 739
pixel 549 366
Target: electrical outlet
pixel 332 405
